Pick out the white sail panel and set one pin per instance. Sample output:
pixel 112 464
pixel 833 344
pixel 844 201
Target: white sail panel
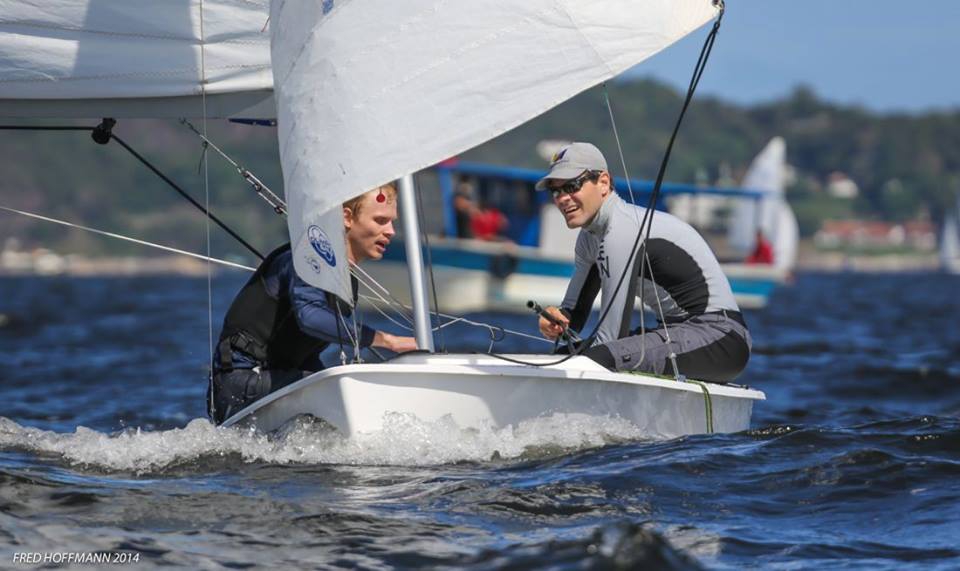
pixel 767 175
pixel 370 90
pixel 133 58
pixel 786 237
pixel 950 242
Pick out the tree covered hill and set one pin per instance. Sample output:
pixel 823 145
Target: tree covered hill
pixel 905 165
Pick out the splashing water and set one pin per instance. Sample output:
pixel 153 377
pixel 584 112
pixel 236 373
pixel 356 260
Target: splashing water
pixel 404 441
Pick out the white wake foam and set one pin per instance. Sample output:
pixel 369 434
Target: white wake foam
pixel 404 440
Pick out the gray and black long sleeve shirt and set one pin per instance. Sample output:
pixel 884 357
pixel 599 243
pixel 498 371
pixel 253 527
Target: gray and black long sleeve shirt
pixel 686 275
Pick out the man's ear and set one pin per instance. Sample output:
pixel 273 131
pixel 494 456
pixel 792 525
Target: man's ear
pixel 609 185
pixel 347 218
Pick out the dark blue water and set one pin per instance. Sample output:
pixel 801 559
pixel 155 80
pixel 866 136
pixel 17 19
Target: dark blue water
pixel 853 461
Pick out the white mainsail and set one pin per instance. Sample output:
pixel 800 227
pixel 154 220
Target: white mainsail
pixel 770 214
pixel 370 90
pixel 134 58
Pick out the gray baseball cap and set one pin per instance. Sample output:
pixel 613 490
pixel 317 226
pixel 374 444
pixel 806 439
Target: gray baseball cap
pixel 571 161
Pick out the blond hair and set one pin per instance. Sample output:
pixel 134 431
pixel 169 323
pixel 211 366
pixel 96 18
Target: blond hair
pixel 389 190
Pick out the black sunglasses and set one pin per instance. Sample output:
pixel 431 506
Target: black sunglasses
pixel 574 185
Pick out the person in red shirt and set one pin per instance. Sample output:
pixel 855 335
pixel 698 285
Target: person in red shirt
pixel 488 223
pixel 762 251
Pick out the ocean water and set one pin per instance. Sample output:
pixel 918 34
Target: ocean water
pixel 853 462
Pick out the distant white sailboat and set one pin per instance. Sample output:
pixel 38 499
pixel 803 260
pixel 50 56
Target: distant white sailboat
pixel 368 91
pixel 771 217
pixel 950 242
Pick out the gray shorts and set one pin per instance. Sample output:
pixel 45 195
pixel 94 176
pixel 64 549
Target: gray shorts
pixel 709 347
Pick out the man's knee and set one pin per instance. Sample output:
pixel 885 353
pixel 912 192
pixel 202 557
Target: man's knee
pixel 602 355
pixel 641 353
pixel 721 361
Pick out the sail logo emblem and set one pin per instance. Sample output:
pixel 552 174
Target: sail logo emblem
pixel 321 245
pixel 557 157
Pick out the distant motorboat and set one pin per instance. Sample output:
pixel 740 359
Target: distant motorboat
pixel 536 261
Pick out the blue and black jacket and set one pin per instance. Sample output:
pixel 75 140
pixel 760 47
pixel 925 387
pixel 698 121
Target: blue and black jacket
pixel 279 321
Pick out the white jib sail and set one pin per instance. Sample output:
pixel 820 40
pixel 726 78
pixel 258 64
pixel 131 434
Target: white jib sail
pixel 370 90
pixel 134 58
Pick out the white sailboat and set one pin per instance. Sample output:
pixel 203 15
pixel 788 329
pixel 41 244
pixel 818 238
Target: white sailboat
pixel 368 91
pixel 950 242
pixel 771 216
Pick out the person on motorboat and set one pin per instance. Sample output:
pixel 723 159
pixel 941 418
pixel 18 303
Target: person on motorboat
pixel 762 250
pixel 699 321
pixel 278 324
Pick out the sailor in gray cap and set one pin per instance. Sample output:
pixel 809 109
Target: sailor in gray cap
pixel 701 332
pixel 573 166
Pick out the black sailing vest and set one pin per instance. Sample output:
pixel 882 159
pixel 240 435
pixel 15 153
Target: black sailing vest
pixel 265 327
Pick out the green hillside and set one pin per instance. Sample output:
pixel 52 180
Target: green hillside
pixel 905 165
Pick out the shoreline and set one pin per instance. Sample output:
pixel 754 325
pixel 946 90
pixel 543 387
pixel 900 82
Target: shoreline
pixel 837 262
pixel 48 264
pixel 52 265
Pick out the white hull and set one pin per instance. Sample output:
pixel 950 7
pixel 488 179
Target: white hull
pixel 950 245
pixel 951 266
pixel 477 391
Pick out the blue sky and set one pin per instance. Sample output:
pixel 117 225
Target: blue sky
pixel 883 54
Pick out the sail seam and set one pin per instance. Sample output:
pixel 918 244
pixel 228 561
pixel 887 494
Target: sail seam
pixel 132 74
pixel 588 40
pixel 190 39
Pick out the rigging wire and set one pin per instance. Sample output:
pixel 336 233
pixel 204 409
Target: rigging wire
pixel 644 232
pixel 189 198
pixel 371 284
pixel 206 196
pixel 453 319
pixel 262 190
pixel 374 301
pixel 127 238
pixel 104 130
